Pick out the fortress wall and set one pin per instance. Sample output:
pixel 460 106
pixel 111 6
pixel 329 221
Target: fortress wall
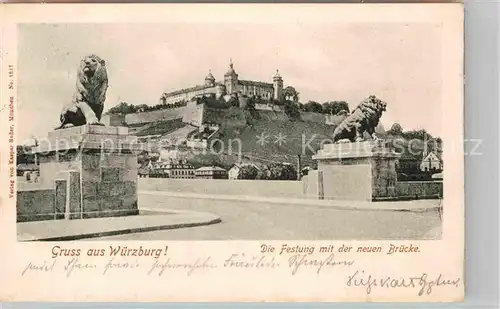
pixel 419 189
pixel 147 117
pixel 272 115
pixel 196 114
pixel 193 113
pixel 313 117
pixel 113 120
pixel 263 107
pixel 225 117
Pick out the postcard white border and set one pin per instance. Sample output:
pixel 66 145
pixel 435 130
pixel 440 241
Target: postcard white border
pixel 445 256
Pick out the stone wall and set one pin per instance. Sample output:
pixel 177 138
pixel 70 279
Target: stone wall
pixel 384 177
pixel 419 189
pixel 37 204
pixel 231 117
pixel 109 184
pixel 264 188
pixel 264 107
pixel 193 113
pixel 113 120
pixel 403 189
pixel 311 185
pixel 160 115
pixel 98 185
pixel 196 114
pixel 269 107
pixel 51 167
pixel 348 182
pixel 96 170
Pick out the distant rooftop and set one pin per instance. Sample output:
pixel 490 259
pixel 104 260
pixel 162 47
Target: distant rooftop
pixel 195 88
pixel 211 168
pixel 254 83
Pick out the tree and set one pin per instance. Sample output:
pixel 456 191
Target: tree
pixel 327 107
pixel 305 171
pixel 263 173
pixel 335 107
pixel 122 108
pixel 289 93
pixel 155 156
pixel 292 110
pixel 251 104
pixel 395 130
pixel 277 102
pixel 280 171
pixel 417 134
pixel 233 101
pixel 141 108
pixel 248 172
pixel 313 107
pixel 435 145
pixel 289 172
pixel 143 158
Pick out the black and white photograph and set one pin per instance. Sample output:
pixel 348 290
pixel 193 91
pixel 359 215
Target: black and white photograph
pixel 218 152
pixel 230 131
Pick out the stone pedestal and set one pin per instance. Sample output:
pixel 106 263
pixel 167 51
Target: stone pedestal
pixel 357 171
pixel 93 170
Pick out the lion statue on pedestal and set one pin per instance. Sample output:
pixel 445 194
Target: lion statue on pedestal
pixel 364 118
pixel 88 101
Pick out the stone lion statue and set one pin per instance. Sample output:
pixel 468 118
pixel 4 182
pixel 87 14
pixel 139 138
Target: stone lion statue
pixel 88 101
pixel 364 118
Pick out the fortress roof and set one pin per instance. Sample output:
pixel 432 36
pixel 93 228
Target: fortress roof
pixel 190 89
pixel 255 83
pixel 211 168
pixel 231 70
pixel 210 76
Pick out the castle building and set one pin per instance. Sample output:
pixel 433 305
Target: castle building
pixel 231 85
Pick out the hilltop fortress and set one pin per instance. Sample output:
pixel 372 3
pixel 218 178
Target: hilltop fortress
pixel 231 85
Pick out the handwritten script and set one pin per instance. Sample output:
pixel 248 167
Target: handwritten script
pixel 296 259
pixel 423 282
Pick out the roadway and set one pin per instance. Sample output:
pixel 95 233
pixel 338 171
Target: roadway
pixel 260 221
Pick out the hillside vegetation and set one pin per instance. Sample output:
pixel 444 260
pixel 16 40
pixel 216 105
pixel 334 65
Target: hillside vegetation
pixel 257 132
pixel 280 141
pixel 161 127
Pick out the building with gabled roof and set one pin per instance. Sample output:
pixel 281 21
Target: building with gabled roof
pixel 234 171
pixel 432 161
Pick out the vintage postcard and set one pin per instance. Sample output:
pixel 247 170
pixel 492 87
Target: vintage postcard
pixel 217 152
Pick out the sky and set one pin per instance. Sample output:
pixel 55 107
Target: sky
pixel 399 63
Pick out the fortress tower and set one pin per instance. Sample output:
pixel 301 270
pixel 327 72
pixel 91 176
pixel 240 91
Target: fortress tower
pixel 220 90
pixel 210 79
pixel 231 84
pixel 231 79
pixel 278 86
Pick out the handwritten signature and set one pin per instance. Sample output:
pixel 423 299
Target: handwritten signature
pixel 295 262
pixel 422 282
